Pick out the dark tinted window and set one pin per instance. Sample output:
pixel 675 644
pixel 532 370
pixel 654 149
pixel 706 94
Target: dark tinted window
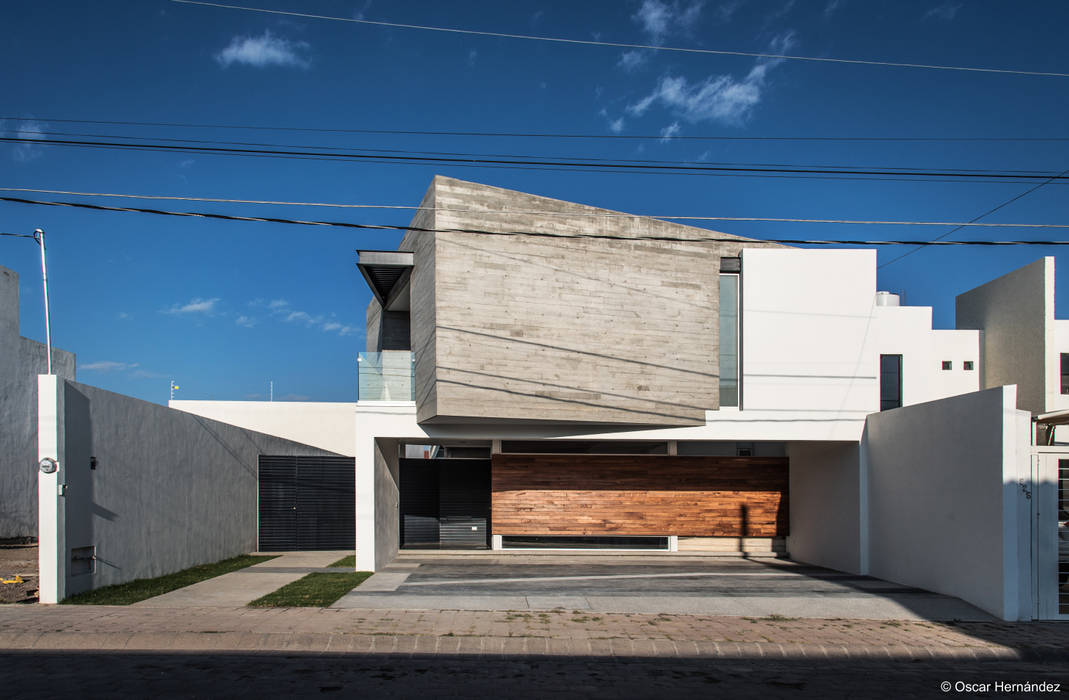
pixel 1065 372
pixel 890 381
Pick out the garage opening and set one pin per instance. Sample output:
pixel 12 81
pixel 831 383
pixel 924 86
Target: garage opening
pixel 306 503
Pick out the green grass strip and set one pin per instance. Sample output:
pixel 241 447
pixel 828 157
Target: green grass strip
pixel 142 588
pixel 316 590
pixel 346 561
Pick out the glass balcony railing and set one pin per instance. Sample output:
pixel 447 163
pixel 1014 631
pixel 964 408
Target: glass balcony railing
pixel 386 376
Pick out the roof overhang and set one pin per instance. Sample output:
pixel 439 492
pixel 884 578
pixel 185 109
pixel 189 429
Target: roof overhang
pixel 1054 418
pixel 387 273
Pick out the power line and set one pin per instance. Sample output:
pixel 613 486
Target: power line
pixel 619 166
pixel 974 219
pixel 482 212
pixel 535 234
pixel 621 45
pixel 469 155
pixel 547 135
pixel 18 235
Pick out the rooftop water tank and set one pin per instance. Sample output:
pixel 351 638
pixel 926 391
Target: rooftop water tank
pixel 887 299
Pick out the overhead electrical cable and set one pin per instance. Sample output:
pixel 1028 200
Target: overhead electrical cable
pixel 536 234
pixel 529 212
pixel 540 135
pixel 469 155
pixel 619 166
pixel 975 219
pixel 623 45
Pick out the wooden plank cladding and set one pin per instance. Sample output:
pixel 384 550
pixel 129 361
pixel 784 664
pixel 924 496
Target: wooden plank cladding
pixel 541 494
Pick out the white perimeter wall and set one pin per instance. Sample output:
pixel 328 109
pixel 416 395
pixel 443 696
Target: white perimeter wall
pixel 945 510
pixel 171 489
pixel 826 505
pixel 328 426
pixel 1057 401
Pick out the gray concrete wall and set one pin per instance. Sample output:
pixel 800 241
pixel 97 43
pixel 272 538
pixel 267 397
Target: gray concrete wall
pixel 423 309
pixel 564 329
pixel 945 511
pixel 21 360
pixel 1016 314
pixel 826 505
pixel 170 489
pixel 387 502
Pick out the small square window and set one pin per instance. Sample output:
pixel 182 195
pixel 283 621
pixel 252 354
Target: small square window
pixel 967 365
pixel 947 364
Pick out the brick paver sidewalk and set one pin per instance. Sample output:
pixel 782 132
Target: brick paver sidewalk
pixel 555 633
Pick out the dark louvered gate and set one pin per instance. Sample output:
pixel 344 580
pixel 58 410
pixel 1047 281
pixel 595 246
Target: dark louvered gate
pixel 445 503
pixel 307 503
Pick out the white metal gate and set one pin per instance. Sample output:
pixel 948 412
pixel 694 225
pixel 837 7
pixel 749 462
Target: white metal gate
pixel 1050 533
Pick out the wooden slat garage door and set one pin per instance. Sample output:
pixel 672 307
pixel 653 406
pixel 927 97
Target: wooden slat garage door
pixel 306 503
pixel 540 494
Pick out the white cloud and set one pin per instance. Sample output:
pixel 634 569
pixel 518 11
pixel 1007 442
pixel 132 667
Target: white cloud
pixel 26 129
pixel 726 10
pixel 123 316
pixel 632 60
pixel 669 131
pixel 362 12
pixel 473 55
pixel 831 7
pixel 616 125
pixel 782 11
pixel 719 98
pixel 245 321
pixel 946 11
pixel 195 306
pixel 282 310
pixel 107 366
pixel 658 18
pixel 187 163
pixel 263 51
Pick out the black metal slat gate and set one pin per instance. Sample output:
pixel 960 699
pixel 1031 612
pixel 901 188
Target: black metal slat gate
pixel 445 503
pixel 306 503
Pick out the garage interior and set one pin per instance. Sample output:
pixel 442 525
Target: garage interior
pixel 726 497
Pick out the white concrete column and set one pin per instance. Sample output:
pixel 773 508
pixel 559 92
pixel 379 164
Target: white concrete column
pixel 673 448
pixel 51 514
pixel 495 542
pixel 673 543
pixel 365 499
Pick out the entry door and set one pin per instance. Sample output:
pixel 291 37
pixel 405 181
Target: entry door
pixel 1051 533
pixel 445 503
pixel 306 503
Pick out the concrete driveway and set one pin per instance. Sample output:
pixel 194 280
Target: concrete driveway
pixel 646 584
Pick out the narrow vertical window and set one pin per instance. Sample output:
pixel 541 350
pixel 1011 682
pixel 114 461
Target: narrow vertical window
pixel 1065 372
pixel 729 339
pixel 890 381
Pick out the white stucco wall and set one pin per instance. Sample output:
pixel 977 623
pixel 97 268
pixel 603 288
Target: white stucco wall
pixel 945 511
pixel 170 489
pixel 907 331
pixel 328 426
pixel 1016 314
pixel 1057 401
pixel 826 505
pixel 807 319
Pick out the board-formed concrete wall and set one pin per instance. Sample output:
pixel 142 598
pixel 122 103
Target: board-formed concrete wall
pixel 827 505
pixel 562 329
pixel 1016 314
pixel 21 360
pixel 169 489
pixel 945 510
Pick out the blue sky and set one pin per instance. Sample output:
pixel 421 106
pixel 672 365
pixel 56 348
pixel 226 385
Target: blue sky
pixel 224 308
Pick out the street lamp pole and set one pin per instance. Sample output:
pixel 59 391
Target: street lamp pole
pixel 39 236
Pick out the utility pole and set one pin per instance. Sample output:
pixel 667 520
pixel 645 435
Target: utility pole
pixel 39 236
